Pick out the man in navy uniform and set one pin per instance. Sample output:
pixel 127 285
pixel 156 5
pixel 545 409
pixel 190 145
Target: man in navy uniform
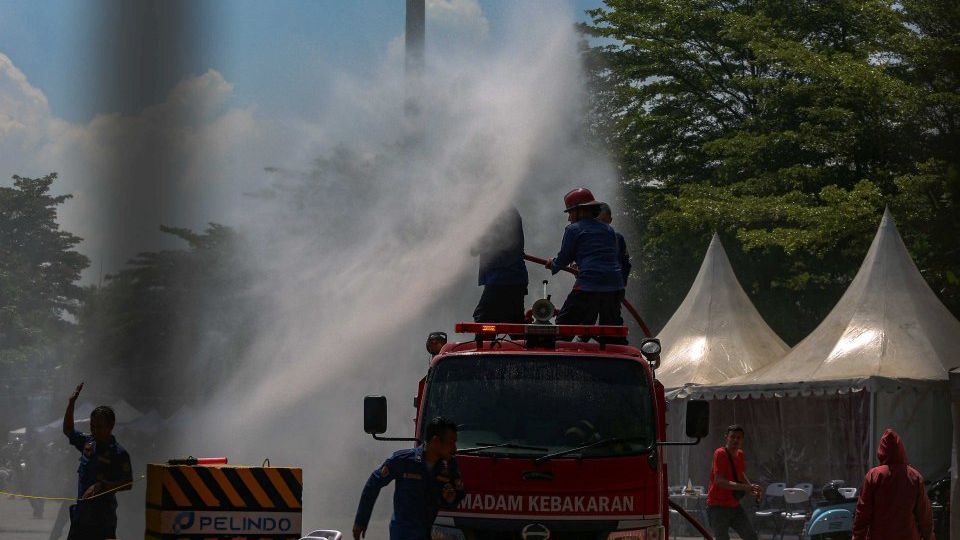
pixel 592 244
pixel 503 273
pixel 104 470
pixel 606 216
pixel 427 479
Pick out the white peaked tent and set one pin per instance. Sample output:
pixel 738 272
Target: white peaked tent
pixel 878 360
pixel 716 333
pixel 125 412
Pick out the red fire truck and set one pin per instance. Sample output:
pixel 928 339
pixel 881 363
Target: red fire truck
pixel 559 438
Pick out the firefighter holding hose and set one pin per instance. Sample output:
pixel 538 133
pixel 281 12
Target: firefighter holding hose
pixel 503 273
pixel 593 245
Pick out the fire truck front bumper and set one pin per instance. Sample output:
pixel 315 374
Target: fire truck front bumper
pixel 446 529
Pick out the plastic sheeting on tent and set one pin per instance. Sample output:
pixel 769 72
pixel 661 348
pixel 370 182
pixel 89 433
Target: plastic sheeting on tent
pixel 149 423
pixel 716 333
pixel 887 330
pixel 125 412
pixel 888 335
pixel 81 415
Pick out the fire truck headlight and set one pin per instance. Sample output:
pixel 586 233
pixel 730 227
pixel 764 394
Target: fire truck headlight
pixel 650 347
pixel 446 533
pixel 435 342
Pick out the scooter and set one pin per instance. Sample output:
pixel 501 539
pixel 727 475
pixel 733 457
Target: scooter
pixel 939 494
pixel 833 518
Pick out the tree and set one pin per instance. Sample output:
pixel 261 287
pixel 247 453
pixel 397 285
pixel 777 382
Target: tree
pixel 784 126
pixel 171 320
pixel 928 196
pixel 39 270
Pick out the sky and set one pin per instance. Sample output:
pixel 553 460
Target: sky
pixel 281 56
pixel 166 112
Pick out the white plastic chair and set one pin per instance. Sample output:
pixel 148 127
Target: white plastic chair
pixel 848 492
pixel 323 535
pixel 770 507
pixel 806 486
pixel 797 509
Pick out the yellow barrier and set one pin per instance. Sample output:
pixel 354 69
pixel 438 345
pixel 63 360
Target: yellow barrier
pixel 185 501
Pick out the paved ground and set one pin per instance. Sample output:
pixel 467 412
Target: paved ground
pixel 17 521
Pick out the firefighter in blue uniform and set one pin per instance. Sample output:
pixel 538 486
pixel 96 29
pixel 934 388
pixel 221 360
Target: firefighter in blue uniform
pixel 606 216
pixel 503 273
pixel 593 245
pixel 104 470
pixel 427 479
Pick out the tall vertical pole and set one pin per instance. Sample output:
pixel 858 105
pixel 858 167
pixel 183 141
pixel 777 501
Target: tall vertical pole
pixel 954 473
pixel 413 50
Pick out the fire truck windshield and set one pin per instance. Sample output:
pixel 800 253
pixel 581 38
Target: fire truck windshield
pixel 535 405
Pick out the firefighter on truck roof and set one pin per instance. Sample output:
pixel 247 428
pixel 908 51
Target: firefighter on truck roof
pixel 593 245
pixel 427 479
pixel 503 272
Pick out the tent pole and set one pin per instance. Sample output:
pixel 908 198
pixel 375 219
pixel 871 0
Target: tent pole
pixel 872 430
pixel 954 474
pixel 783 441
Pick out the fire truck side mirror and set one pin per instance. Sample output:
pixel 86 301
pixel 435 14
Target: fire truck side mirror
pixel 375 415
pixel 698 418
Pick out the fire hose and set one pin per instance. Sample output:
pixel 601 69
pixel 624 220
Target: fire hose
pixel 626 303
pixel 691 520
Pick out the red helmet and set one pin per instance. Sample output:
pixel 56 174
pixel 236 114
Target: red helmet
pixel 578 198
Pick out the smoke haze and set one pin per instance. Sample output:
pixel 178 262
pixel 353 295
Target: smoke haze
pixel 360 275
pixel 357 233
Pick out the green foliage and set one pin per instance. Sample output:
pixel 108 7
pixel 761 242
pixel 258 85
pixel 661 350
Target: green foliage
pixel 784 126
pixel 39 268
pixel 38 265
pixel 170 324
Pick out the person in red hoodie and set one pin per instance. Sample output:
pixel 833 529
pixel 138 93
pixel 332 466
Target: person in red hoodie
pixel 893 503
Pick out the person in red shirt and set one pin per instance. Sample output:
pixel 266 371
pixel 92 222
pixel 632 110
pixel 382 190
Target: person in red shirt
pixel 728 483
pixel 893 503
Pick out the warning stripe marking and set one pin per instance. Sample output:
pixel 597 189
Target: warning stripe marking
pixel 255 488
pixel 240 487
pixel 172 489
pixel 294 478
pixel 277 480
pixel 218 478
pixel 187 488
pixel 297 475
pixel 271 490
pixel 200 486
pixel 235 487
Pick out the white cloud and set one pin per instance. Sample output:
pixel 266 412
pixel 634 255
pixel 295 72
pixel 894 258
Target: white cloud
pixel 460 16
pixel 182 162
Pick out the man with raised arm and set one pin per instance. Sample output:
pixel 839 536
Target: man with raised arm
pixel 104 470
